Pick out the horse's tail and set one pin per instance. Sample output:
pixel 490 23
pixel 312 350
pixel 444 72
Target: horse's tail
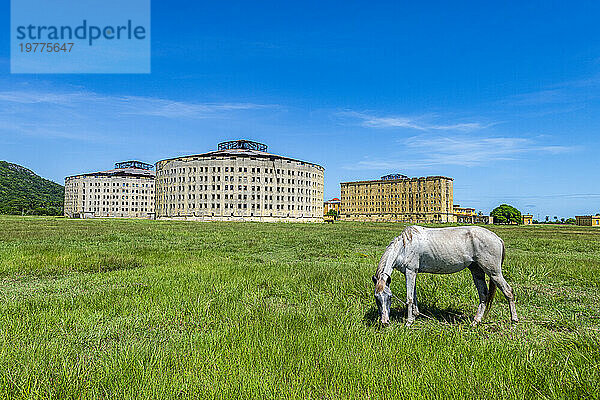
pixel 492 290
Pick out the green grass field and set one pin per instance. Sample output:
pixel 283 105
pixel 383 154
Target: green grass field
pixel 148 309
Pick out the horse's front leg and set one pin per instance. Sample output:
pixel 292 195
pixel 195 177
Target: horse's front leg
pixel 411 278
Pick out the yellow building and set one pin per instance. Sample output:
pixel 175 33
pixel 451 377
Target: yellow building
pixel 467 215
pixel 588 220
pixel 464 215
pixel 398 198
pixel 527 219
pixel 333 204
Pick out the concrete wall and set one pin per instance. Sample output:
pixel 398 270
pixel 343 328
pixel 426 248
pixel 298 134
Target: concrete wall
pixel 88 196
pixel 234 188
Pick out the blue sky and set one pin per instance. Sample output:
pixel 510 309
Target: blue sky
pixel 503 98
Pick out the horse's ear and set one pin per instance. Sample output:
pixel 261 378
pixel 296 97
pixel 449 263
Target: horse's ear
pixel 388 280
pixel 374 279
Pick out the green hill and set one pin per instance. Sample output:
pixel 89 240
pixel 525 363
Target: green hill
pixel 22 191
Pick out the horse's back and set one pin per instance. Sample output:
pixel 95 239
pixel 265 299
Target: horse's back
pixel 463 233
pixel 457 247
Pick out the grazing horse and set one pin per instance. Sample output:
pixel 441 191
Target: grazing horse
pixel 443 251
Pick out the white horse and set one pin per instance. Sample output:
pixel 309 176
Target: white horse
pixel 443 251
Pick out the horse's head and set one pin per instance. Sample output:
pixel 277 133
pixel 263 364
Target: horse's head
pixel 383 297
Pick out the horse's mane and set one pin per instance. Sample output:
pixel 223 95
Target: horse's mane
pixel 404 239
pixel 407 234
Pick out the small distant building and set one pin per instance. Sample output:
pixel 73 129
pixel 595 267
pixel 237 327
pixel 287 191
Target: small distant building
pixel 124 192
pixel 588 220
pixel 467 215
pixel 333 204
pixel 464 215
pixel 527 219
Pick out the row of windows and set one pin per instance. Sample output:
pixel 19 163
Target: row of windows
pixel 116 203
pixel 393 196
pixel 119 197
pixel 254 170
pixel 125 184
pixel 408 215
pixel 117 191
pixel 257 206
pixel 239 197
pixel 254 206
pixel 115 209
pixel 398 204
pixel 233 187
pixel 279 181
pixel 389 210
pixel 403 202
pixel 112 184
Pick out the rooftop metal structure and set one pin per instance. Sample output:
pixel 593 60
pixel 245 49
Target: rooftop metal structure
pixel 393 177
pixel 134 164
pixel 242 144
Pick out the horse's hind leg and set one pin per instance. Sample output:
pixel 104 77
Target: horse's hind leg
pixel 482 290
pixel 508 293
pixel 415 306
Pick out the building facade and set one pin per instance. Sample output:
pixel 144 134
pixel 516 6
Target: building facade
pixel 124 192
pixel 467 215
pixel 398 198
pixel 527 219
pixel 333 204
pixel 239 182
pixel 588 220
pixel 464 215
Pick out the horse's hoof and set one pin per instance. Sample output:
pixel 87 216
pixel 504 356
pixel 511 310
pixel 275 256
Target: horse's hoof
pixel 514 321
pixel 475 322
pixel 409 323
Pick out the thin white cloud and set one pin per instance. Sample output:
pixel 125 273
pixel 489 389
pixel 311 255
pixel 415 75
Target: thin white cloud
pixel 131 105
pixel 563 93
pixel 57 132
pixel 420 123
pixel 89 116
pixel 176 109
pixel 38 97
pixel 418 152
pixel 542 97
